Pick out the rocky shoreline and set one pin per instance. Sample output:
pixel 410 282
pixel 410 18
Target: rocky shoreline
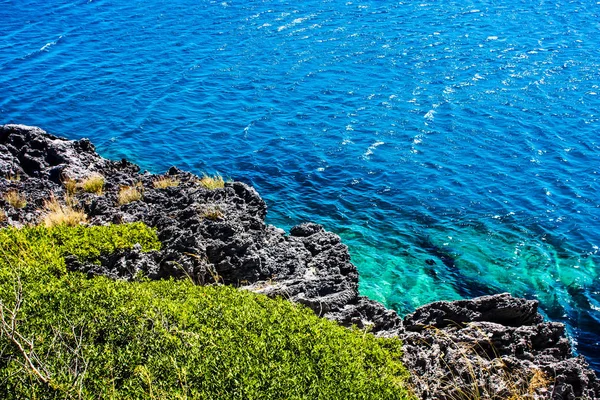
pixel 488 347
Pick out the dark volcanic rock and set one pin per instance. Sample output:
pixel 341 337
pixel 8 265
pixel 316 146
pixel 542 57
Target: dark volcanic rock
pixel 207 234
pixel 502 309
pixel 499 342
pixel 489 347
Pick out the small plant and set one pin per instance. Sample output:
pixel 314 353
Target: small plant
pixel 537 381
pixel 212 182
pixel 128 194
pixel 70 186
pixel 14 177
pixel 93 184
pixel 213 213
pixel 58 214
pixel 15 199
pixel 164 182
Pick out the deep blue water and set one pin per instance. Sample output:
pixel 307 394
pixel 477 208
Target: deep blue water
pixel 455 146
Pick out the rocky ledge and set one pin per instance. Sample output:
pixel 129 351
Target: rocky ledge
pixel 489 347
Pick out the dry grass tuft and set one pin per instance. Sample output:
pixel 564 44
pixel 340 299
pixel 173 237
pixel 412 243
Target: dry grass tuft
pixel 62 214
pixel 15 199
pixel 538 380
pixel 70 186
pixel 483 376
pixel 129 194
pixel 212 182
pixel 212 212
pixel 93 184
pixel 164 182
pixel 14 178
pixel 3 216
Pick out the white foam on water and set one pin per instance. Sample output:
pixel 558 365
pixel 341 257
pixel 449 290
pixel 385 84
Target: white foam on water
pixel 371 149
pixel 50 44
pixel 295 22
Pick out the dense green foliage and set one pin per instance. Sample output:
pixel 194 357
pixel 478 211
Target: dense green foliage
pixel 39 252
pixel 99 338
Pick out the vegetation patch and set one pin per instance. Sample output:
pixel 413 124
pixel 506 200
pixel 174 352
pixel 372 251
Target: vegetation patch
pixel 484 374
pixel 70 186
pixel 39 251
pixel 62 214
pixel 14 177
pixel 212 182
pixel 212 212
pixel 93 184
pixel 15 199
pixel 76 337
pixel 129 194
pixel 164 182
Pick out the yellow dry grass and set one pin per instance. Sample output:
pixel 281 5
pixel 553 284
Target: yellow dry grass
pixel 62 214
pixel 212 212
pixel 14 177
pixel 15 199
pixel 129 194
pixel 484 375
pixel 70 186
pixel 93 184
pixel 212 182
pixel 164 182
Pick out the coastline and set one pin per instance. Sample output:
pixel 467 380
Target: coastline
pixel 508 340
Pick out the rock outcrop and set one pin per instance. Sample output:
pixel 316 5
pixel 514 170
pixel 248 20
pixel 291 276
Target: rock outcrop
pixel 494 346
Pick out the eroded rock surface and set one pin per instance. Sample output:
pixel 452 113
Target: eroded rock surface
pixel 490 347
pixel 499 342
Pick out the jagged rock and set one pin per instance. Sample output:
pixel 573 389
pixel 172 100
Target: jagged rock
pixel 499 342
pixel 502 309
pixel 367 313
pixel 233 245
pixel 489 347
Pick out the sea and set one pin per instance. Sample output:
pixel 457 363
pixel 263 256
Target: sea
pixel 453 145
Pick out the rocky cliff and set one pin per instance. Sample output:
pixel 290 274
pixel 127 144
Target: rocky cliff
pixel 489 347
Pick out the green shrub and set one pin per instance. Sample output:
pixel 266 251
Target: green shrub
pixel 39 252
pixel 99 339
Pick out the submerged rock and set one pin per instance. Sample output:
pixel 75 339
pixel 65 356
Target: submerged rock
pixel 488 347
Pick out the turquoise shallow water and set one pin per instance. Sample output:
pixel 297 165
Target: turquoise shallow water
pixel 455 146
